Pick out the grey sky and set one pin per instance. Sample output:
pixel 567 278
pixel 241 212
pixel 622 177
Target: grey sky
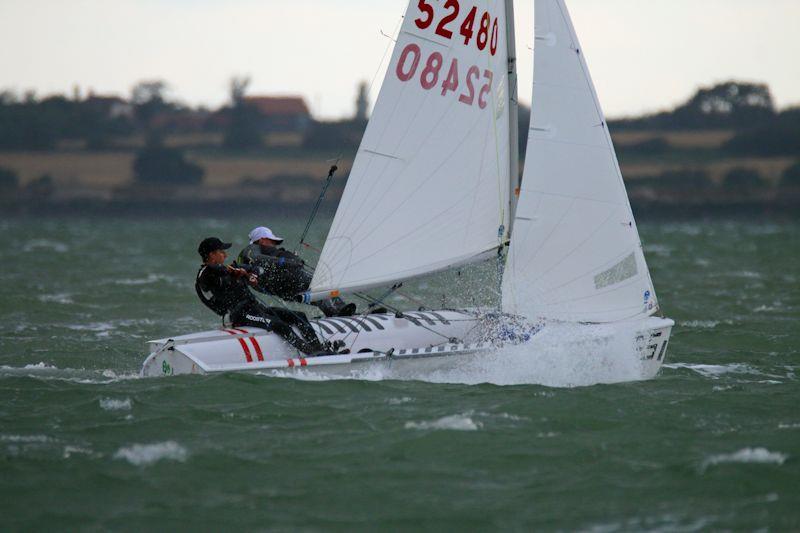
pixel 645 55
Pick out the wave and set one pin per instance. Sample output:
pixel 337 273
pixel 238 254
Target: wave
pixel 461 422
pixel 112 404
pixel 35 245
pixel 63 298
pixel 715 371
pixel 705 324
pixel 45 372
pixel 150 279
pixel 25 439
pixel 747 455
pixel 399 401
pixel 149 454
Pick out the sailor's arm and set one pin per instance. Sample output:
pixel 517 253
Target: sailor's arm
pixel 285 259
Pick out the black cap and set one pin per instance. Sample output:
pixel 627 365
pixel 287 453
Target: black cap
pixel 211 244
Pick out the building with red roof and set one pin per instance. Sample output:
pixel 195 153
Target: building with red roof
pixel 280 113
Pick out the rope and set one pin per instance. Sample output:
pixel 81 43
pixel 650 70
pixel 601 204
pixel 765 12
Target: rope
pixel 315 210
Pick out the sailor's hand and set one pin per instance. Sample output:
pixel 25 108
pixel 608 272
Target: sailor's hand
pixel 238 272
pixel 253 279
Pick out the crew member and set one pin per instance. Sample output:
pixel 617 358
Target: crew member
pixel 224 290
pixel 283 273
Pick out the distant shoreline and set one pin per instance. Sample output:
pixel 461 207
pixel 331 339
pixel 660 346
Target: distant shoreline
pixel 643 211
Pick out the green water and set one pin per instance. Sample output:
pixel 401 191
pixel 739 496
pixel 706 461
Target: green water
pixel 713 443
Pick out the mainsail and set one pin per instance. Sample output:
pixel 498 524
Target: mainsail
pixel 575 253
pixel 429 187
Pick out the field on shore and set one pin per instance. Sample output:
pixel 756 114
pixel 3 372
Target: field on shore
pixel 286 172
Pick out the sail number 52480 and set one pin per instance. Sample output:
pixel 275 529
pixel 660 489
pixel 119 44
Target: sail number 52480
pixel 432 73
pixel 467 28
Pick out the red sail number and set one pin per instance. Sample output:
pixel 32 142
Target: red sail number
pixel 441 29
pixel 486 88
pixel 487 31
pixel 427 11
pixel 406 74
pixel 433 74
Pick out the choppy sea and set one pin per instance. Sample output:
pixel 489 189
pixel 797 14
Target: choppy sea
pixel 713 443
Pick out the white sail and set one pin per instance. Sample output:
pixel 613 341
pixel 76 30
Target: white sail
pixel 429 186
pixel 575 253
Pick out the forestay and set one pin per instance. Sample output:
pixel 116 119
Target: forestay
pixel 429 186
pixel 575 253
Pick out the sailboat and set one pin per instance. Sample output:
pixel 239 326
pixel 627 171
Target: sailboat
pixel 435 186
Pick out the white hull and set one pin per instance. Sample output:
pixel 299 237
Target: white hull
pixel 419 342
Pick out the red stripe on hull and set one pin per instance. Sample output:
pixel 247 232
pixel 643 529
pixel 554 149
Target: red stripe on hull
pixel 243 344
pixel 256 345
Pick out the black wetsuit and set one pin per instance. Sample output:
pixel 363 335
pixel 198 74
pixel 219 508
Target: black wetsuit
pixel 284 277
pixel 283 272
pixel 226 294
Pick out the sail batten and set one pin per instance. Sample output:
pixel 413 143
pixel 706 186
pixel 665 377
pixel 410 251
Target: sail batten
pixel 429 187
pixel 576 255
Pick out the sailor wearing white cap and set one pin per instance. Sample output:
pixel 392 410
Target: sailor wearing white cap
pixel 284 274
pixel 263 232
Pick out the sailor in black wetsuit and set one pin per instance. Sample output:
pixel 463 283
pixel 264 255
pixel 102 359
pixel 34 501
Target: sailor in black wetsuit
pixel 282 271
pixel 224 290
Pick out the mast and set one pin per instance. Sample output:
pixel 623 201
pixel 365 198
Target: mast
pixel 513 116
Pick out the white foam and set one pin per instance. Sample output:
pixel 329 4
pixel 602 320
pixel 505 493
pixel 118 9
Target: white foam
pixel 658 249
pixel 151 278
pixel 714 371
pixel 69 451
pixel 44 244
pixel 103 329
pixel 776 306
pixel 788 426
pixel 45 372
pixel 60 298
pixel 507 416
pixel 148 454
pixel 705 324
pixel 40 365
pixel 747 455
pixel 92 326
pixel 399 401
pixel 25 439
pixel 748 274
pixel 461 422
pixel 558 356
pixel 112 404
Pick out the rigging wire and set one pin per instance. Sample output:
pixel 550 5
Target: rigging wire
pixel 321 197
pixel 334 167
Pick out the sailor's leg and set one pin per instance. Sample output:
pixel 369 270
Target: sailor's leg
pixel 294 318
pixel 299 319
pixel 307 347
pixel 336 307
pixel 251 314
pixel 261 316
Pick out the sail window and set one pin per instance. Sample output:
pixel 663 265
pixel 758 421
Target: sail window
pixel 623 270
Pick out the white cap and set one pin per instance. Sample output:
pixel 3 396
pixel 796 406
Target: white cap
pixel 263 233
